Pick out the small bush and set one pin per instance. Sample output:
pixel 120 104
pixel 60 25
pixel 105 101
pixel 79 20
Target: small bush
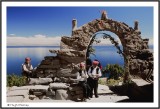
pixel 114 70
pixel 14 80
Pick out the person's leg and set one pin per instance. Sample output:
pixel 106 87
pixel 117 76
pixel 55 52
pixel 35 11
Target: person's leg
pixel 84 90
pixel 91 86
pixel 88 91
pixel 96 88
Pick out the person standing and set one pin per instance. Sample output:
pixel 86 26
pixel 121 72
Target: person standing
pixel 94 74
pixel 27 68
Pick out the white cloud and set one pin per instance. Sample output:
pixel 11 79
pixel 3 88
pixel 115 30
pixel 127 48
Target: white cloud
pixel 36 40
pixel 11 35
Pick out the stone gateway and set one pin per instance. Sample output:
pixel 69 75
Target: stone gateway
pixel 137 57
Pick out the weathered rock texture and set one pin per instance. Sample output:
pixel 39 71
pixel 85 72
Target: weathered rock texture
pixel 137 57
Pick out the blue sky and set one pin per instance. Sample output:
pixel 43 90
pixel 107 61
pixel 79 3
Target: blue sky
pixel 56 21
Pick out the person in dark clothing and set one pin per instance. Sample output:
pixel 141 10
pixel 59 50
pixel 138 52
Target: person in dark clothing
pixel 94 73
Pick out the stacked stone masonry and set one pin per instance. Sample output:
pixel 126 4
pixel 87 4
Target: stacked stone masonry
pixel 56 89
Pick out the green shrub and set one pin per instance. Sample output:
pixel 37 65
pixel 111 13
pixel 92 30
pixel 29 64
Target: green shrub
pixel 14 80
pixel 115 71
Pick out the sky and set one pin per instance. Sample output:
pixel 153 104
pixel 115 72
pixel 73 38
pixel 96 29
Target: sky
pixel 45 25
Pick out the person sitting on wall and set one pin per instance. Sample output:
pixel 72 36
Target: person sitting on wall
pixel 94 74
pixel 81 79
pixel 82 76
pixel 27 68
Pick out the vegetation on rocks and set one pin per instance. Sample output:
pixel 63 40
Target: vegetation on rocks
pixel 14 80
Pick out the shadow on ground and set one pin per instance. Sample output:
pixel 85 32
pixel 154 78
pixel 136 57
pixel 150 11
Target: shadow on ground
pixel 134 92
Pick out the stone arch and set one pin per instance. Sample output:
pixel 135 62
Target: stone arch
pixel 73 49
pixel 135 49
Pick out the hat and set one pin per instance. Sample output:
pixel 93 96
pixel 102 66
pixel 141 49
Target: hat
pixel 82 64
pixel 27 58
pixel 95 63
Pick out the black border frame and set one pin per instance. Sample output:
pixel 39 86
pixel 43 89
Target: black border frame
pixel 78 1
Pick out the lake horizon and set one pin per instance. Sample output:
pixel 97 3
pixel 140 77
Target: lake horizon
pixel 16 55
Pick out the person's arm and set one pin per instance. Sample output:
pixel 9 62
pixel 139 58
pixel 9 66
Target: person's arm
pixel 99 73
pixel 78 76
pixel 86 74
pixel 31 68
pixel 89 72
pixel 25 69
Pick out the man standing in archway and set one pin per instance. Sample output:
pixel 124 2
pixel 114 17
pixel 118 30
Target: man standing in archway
pixel 94 74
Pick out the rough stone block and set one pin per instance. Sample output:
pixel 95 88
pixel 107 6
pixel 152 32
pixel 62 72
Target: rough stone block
pixel 73 59
pixel 58 86
pixel 62 95
pixel 49 66
pixel 37 93
pixel 50 75
pixel 18 93
pixel 32 97
pixel 37 81
pixel 32 91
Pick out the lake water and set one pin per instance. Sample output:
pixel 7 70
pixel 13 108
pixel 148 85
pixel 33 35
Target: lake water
pixel 16 55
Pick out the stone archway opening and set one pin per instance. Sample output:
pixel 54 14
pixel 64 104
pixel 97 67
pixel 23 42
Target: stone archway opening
pixel 106 47
pixel 105 36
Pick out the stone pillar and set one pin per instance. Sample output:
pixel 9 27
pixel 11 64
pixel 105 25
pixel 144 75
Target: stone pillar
pixel 136 25
pixel 103 15
pixel 74 24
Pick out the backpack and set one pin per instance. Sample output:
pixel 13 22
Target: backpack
pixel 97 69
